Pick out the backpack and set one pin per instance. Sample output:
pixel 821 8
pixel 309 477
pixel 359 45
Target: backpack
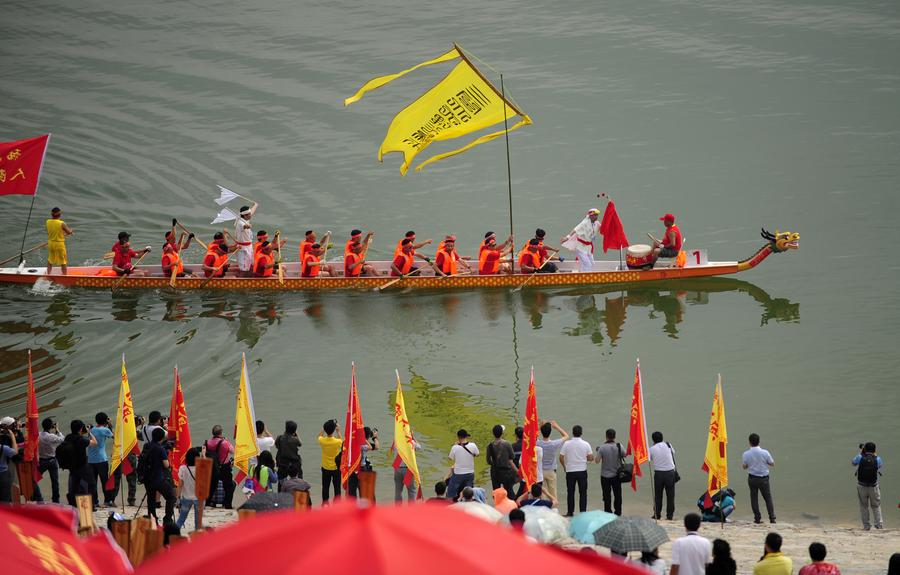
pixel 216 462
pixel 65 455
pixel 143 465
pixel 867 471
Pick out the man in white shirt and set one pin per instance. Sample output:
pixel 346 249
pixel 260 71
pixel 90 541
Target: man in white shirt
pixel 574 456
pixel 243 237
pixel 550 459
pixel 264 439
pixel 462 473
pixel 757 462
pixel 581 240
pixel 662 457
pixel 691 553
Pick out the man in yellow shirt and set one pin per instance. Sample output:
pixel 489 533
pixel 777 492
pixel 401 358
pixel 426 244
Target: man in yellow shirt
pixel 330 442
pixel 57 230
pixel 774 562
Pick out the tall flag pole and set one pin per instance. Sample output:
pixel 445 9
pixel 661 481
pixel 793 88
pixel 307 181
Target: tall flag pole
pixel 528 463
pixel 21 163
pixel 179 426
pixel 715 462
pixel 637 428
pixel 354 433
pixel 32 429
pixel 404 442
pixel 124 435
pixel 245 446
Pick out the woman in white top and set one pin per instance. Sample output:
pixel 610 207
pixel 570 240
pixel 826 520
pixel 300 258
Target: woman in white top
pixel 186 489
pixel 651 562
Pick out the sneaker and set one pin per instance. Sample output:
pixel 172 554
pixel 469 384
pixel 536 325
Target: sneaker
pixel 131 502
pixel 867 527
pixel 879 527
pixel 757 521
pixel 772 521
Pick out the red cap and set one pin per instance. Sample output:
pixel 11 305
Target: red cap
pixel 667 218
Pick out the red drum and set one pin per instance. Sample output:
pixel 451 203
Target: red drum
pixel 639 256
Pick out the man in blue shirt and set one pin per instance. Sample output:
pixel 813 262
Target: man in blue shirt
pixel 757 462
pixel 867 464
pixel 99 461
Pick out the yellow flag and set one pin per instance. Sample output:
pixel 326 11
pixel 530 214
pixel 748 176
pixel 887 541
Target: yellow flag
pixel 462 103
pixel 403 437
pixel 124 434
pixel 244 424
pixel 716 459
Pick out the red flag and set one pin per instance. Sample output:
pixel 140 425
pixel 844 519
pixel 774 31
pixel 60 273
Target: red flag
pixel 179 428
pixel 354 433
pixel 528 462
pixel 31 426
pixel 20 165
pixel 637 429
pixel 612 230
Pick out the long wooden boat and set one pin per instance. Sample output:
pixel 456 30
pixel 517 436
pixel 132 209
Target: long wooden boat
pixel 604 272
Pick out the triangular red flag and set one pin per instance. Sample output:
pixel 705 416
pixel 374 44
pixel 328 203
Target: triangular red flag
pixel 637 429
pixel 354 433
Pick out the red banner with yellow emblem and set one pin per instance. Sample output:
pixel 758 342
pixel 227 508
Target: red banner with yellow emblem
pixel 637 428
pixel 179 427
pixel 20 165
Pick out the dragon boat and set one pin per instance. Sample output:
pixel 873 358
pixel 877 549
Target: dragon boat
pixel 696 265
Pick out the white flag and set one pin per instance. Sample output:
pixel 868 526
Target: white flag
pixel 225 196
pixel 225 215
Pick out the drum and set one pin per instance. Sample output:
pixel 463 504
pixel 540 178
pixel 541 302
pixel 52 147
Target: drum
pixel 639 256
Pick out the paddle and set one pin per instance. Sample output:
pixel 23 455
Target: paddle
pixel 121 279
pixel 278 260
pixel 216 270
pixel 29 250
pixel 188 232
pixel 531 277
pixel 395 280
pixel 173 276
pixel 324 242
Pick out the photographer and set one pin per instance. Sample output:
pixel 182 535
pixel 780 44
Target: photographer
pixel 287 453
pixel 159 477
pixel 76 445
pixel 99 460
pixel 8 449
pixel 48 440
pixel 221 450
pixel 330 443
pixel 364 463
pixel 867 464
pixel 19 458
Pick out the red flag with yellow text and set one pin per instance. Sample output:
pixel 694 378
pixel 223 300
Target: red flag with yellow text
pixel 20 165
pixel 179 428
pixel 637 428
pixel 31 426
pixel 528 463
pixel 354 433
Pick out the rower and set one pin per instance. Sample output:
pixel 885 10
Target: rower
pixel 544 251
pixel 122 254
pixel 264 263
pixel 171 257
pixel 447 259
pixel 490 255
pixel 181 244
pixel 411 236
pixel 57 231
pixel 671 242
pixel 403 263
pixel 581 240
pixel 215 264
pixel 308 241
pixel 243 237
pixel 530 260
pixel 262 236
pixel 312 264
pixel 355 264
pixel 355 237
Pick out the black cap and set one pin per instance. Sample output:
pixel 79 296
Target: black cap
pixel 55 210
pixel 488 234
pixel 462 433
pixel 124 235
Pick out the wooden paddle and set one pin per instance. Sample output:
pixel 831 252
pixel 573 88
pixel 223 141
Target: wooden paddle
pixel 324 243
pixel 278 260
pixel 395 280
pixel 29 250
pixel 188 232
pixel 121 279
pixel 525 283
pixel 216 270
pixel 173 276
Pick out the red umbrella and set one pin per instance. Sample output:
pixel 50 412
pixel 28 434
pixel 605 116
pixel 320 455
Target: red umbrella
pixel 348 539
pixel 41 539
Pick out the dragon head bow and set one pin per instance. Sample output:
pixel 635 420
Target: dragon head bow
pixel 782 241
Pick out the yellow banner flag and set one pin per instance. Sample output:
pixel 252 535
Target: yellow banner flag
pixel 244 425
pixel 403 437
pixel 462 103
pixel 124 434
pixel 716 459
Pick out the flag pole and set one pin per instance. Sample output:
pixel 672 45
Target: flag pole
pixel 512 259
pixel 34 196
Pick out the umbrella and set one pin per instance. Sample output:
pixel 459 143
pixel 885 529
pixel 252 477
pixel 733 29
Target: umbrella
pixel 544 525
pixel 266 501
pixel 479 510
pixel 347 539
pixel 631 534
pixel 41 539
pixel 583 525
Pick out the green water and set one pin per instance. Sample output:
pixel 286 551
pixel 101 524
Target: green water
pixel 782 115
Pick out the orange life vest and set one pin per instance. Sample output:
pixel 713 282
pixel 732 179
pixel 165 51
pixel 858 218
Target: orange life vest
pixel 351 259
pixel 448 262
pixel 531 259
pixel 347 251
pixel 218 261
pixel 256 247
pixel 304 247
pixel 524 250
pixel 406 265
pixel 264 259
pixel 309 271
pixel 486 264
pixel 399 249
pixel 170 259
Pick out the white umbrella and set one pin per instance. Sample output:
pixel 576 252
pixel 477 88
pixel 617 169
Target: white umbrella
pixel 480 510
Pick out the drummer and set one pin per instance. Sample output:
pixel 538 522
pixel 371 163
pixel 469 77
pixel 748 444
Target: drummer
pixel 671 242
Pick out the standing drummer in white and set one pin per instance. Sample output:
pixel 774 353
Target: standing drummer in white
pixel 243 237
pixel 581 240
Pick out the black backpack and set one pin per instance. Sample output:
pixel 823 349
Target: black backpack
pixel 143 464
pixel 65 455
pixel 216 461
pixel 867 471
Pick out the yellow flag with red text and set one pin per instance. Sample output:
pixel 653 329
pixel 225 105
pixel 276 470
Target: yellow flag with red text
pixel 462 103
pixel 124 434
pixel 715 462
pixel 404 442
pixel 245 446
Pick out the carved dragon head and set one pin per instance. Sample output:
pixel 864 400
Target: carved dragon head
pixel 782 241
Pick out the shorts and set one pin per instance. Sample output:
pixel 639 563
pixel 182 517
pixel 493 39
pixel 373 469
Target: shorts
pixel 668 253
pixel 56 253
